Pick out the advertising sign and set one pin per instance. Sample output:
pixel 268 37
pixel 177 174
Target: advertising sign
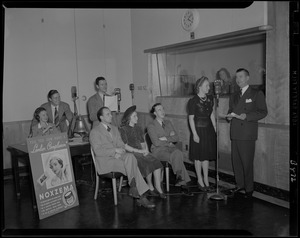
pixel 52 174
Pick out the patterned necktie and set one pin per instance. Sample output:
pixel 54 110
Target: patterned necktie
pixel 55 116
pixel 163 125
pixel 241 93
pixel 108 128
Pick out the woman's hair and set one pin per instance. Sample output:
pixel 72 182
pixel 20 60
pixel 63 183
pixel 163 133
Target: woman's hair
pixel 51 92
pixel 226 72
pixel 99 79
pixel 100 112
pixel 59 160
pixel 37 112
pixel 127 114
pixel 199 83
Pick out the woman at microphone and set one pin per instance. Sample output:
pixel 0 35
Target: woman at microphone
pixel 203 139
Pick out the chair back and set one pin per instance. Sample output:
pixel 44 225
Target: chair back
pixel 148 141
pixel 94 160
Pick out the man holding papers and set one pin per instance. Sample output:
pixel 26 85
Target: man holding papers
pixel 246 108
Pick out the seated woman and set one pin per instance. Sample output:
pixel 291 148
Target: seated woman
pixel 43 127
pixel 133 139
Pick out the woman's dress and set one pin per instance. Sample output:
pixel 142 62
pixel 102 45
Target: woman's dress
pixel 202 109
pixel 133 136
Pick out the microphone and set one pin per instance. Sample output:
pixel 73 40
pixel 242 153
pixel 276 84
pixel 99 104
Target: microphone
pixel 74 92
pixel 131 87
pixel 217 87
pixel 118 92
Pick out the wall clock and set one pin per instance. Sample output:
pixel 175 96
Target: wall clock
pixel 190 20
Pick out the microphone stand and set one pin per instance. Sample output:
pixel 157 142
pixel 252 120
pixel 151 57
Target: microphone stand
pixel 217 196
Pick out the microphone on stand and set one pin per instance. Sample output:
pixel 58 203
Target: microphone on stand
pixel 118 93
pixel 217 88
pixel 74 92
pixel 131 88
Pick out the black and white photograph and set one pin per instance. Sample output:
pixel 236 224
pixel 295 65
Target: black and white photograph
pixel 180 118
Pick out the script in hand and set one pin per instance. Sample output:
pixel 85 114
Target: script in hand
pixel 111 102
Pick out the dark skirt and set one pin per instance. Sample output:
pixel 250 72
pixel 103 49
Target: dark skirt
pixel 147 164
pixel 206 149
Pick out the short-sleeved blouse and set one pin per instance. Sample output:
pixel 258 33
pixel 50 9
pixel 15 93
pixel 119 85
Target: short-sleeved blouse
pixel 201 110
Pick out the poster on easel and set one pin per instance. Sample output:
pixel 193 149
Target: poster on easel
pixel 52 174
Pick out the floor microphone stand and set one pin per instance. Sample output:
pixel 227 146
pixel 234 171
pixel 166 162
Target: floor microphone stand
pixel 217 196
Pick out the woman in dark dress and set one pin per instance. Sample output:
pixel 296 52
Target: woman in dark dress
pixel 133 138
pixel 203 139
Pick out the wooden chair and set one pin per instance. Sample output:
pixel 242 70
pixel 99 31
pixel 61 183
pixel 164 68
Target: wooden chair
pixel 112 175
pixel 165 163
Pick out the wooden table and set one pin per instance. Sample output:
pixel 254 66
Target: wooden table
pixel 19 152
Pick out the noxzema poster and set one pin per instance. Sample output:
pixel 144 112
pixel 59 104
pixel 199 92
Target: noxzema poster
pixel 52 174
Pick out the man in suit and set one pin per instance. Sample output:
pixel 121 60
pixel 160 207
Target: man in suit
pixel 96 101
pixel 245 109
pixel 111 156
pixel 59 112
pixel 163 136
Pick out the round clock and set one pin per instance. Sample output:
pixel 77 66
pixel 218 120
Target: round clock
pixel 190 20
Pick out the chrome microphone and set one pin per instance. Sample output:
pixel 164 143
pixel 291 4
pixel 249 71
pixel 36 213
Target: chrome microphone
pixel 217 87
pixel 118 93
pixel 74 92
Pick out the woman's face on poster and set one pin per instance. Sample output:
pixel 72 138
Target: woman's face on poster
pixel 55 166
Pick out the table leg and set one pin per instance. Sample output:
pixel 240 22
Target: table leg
pixel 34 204
pixel 15 170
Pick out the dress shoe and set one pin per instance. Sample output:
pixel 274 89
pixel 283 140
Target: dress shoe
pixel 201 188
pixel 162 195
pixel 210 189
pixel 143 201
pixel 186 191
pixel 236 189
pixel 248 195
pixel 179 182
pixel 153 193
pixel 133 192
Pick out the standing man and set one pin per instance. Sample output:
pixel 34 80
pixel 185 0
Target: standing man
pixel 96 101
pixel 245 109
pixel 163 136
pixel 59 112
pixel 111 156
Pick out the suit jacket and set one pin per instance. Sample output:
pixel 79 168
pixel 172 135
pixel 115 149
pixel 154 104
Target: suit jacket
pixel 64 113
pixel 156 131
pixel 253 104
pixel 104 144
pixel 94 103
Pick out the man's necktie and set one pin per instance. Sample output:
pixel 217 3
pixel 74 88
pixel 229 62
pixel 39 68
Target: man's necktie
pixel 241 93
pixel 163 125
pixel 55 116
pixel 108 128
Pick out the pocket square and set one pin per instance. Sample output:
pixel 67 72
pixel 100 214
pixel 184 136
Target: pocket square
pixel 248 100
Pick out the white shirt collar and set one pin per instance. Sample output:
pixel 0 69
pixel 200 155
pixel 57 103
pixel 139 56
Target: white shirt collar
pixel 244 89
pixel 159 121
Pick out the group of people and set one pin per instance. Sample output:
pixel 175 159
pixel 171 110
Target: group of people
pixel 125 150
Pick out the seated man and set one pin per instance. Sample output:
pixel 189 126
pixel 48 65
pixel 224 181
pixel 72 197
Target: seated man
pixel 58 112
pixel 163 137
pixel 110 154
